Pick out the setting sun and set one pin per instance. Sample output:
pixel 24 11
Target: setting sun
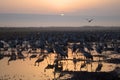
pixel 62 14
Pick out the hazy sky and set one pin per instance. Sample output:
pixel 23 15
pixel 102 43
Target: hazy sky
pixel 47 12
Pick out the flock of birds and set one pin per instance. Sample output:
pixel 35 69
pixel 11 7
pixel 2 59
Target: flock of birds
pixel 59 43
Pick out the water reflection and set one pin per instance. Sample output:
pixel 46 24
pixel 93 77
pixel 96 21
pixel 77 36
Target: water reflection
pixel 51 66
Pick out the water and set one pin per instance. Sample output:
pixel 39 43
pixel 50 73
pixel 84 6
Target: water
pixel 37 20
pixel 26 70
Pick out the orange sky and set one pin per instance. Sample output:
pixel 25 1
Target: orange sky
pixel 23 12
pixel 49 6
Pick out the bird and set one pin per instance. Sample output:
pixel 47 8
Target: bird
pixel 1 56
pixel 87 55
pixel 20 55
pixel 74 48
pixel 99 67
pixel 60 51
pixel 40 59
pixel 89 20
pixel 83 65
pixel 1 44
pixel 49 66
pixel 12 57
pixel 50 50
pixel 33 56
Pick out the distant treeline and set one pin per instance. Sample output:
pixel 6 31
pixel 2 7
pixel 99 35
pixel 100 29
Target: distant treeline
pixel 42 29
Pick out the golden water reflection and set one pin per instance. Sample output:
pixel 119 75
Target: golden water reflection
pixel 25 70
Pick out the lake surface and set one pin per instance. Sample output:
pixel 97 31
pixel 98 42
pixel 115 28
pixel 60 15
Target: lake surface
pixel 26 70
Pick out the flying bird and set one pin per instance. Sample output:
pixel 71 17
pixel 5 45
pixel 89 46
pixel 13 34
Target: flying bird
pixel 89 20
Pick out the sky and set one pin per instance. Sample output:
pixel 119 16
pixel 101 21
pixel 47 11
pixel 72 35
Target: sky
pixel 30 13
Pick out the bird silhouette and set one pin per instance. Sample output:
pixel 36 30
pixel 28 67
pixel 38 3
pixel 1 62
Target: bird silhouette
pixel 13 57
pixel 33 56
pixel 99 67
pixel 89 20
pixel 40 59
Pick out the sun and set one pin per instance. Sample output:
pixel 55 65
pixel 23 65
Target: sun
pixel 62 14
